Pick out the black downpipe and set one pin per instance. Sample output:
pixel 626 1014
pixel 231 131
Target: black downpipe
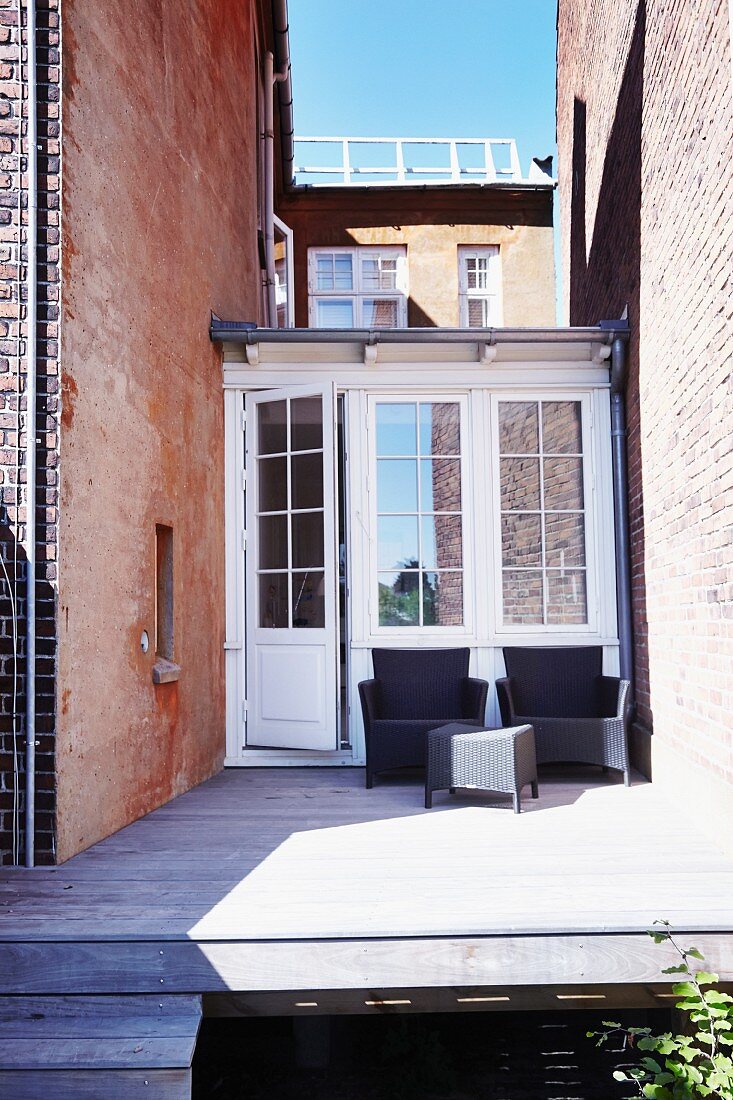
pixel 621 509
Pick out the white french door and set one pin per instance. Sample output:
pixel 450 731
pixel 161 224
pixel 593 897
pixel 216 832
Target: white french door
pixel 291 632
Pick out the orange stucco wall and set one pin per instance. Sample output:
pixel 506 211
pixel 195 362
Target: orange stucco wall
pixel 159 222
pixel 432 224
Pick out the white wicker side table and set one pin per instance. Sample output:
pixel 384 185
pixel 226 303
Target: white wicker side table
pixel 459 755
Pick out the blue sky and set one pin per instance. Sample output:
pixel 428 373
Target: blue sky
pixel 424 68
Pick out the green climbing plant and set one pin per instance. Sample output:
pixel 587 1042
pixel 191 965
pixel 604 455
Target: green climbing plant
pixel 696 1063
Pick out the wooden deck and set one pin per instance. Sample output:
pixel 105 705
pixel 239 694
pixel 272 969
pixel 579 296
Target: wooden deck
pixel 272 881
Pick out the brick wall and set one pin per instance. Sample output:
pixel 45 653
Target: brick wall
pixel 645 129
pixel 14 416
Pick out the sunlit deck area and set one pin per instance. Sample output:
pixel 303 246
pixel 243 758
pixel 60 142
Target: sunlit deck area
pixel 265 882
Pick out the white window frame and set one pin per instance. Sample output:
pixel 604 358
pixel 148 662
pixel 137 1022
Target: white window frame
pixel 589 509
pixel 358 292
pixel 290 273
pixel 467 503
pixel 491 294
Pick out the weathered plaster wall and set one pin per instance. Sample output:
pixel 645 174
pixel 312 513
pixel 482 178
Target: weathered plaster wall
pixel 432 224
pixel 645 132
pixel 159 228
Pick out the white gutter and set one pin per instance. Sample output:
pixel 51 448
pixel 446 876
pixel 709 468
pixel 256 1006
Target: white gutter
pixel 30 432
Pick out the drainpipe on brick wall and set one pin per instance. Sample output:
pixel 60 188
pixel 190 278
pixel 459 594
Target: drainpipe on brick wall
pixel 272 79
pixel 30 431
pixel 621 508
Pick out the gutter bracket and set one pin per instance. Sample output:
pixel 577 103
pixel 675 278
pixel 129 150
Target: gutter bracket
pixel 371 350
pixel 252 351
pixel 486 354
pixel 601 353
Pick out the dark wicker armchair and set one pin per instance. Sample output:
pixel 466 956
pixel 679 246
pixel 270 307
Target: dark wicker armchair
pixel 413 691
pixel 578 715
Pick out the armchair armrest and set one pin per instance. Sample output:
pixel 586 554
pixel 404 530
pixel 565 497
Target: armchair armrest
pixel 613 696
pixel 505 695
pixel 473 698
pixel 371 701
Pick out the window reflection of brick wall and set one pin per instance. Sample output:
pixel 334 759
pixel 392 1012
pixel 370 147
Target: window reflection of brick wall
pixel 445 440
pixel 523 480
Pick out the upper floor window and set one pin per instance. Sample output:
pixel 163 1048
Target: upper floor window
pixel 479 286
pixel 357 288
pixel 284 302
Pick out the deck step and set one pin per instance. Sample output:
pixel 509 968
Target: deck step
pixel 98 1047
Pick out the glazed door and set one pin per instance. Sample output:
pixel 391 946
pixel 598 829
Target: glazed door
pixel 291 576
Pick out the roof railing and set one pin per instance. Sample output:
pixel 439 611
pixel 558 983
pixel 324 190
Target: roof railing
pixel 383 161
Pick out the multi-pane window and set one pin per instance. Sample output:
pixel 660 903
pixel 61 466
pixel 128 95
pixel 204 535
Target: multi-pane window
pixel 542 513
pixel 419 505
pixel 357 288
pixel 479 285
pixel 290 513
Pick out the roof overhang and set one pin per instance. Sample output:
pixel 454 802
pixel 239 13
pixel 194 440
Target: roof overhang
pixel 469 352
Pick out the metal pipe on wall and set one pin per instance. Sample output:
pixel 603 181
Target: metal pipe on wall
pixel 272 78
pixel 30 395
pixel 621 508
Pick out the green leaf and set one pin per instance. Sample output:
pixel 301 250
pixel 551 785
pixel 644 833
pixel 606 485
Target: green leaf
pixel 609 1023
pixel 651 1066
pixel 704 977
pixel 685 989
pixel 619 1075
pixel 693 951
pixel 681 969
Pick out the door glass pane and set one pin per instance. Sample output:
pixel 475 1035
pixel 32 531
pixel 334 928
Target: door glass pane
pixel 563 483
pixel 561 432
pixel 307 537
pixel 521 540
pixel 522 597
pixel 397 542
pixel 274 600
pixel 306 424
pixel 334 313
pixel 272 436
pixel 442 599
pixel 273 484
pixel 397 484
pixel 440 484
pixel 309 606
pixel 564 539
pixel 273 546
pixel 442 542
pixel 440 428
pixel 518 428
pixel 520 484
pixel 399 596
pixel 306 481
pixel 396 429
pixel 566 596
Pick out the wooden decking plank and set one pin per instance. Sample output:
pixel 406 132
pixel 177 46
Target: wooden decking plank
pixel 98 1053
pixel 164 968
pixel 96 1085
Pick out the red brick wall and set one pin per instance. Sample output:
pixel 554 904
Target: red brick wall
pixel 645 130
pixel 14 417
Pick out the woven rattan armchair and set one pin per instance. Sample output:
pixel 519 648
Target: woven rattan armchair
pixel 413 691
pixel 578 715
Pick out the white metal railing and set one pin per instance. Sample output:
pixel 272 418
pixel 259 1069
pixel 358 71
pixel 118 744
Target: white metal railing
pixel 406 161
